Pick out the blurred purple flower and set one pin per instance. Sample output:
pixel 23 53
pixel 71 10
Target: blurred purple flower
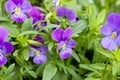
pixel 70 14
pixel 19 8
pixel 63 36
pixel 111 31
pixel 39 55
pixel 37 15
pixel 5 47
pixel 56 2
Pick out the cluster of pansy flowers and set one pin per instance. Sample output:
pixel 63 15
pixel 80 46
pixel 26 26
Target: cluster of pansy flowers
pixel 111 31
pixel 21 9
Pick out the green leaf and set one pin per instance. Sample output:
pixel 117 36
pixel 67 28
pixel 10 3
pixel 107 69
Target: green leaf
pixel 3 19
pixel 106 53
pixel 50 46
pixel 32 73
pixel 28 32
pixel 27 24
pixel 78 27
pixel 101 17
pixel 115 68
pixel 49 71
pixel 9 70
pixel 73 73
pixel 26 54
pixel 76 57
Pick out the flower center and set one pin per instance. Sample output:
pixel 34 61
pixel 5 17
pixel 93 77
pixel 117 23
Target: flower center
pixel 64 46
pixel 37 53
pixel 17 10
pixel 39 25
pixel 113 35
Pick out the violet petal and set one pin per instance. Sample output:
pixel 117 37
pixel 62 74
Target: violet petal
pixel 7 47
pixel 43 49
pixel 60 45
pixel 40 59
pixel 109 43
pixel 3 34
pixel 3 59
pixel 18 2
pixel 61 11
pixel 57 34
pixel 26 7
pixel 19 17
pixel 71 44
pixel 71 15
pixel 106 29
pixel 65 53
pixel 67 33
pixel 10 6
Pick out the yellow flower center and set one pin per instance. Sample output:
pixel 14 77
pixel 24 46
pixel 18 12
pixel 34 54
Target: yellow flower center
pixel 17 10
pixel 39 25
pixel 37 53
pixel 64 46
pixel 113 35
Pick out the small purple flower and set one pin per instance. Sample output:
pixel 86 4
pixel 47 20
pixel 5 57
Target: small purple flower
pixel 66 45
pixel 37 15
pixel 111 31
pixel 70 14
pixel 39 55
pixel 5 47
pixel 19 8
pixel 56 2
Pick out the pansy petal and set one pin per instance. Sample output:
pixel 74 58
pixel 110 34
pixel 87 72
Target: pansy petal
pixel 32 53
pixel 109 43
pixel 106 29
pixel 26 7
pixel 57 34
pixel 18 2
pixel 39 38
pixel 117 39
pixel 3 59
pixel 114 18
pixel 3 34
pixel 10 6
pixel 40 59
pixel 34 13
pixel 60 45
pixel 67 33
pixel 19 17
pixel 71 44
pixel 7 47
pixel 65 53
pixel 61 11
pixel 43 49
pixel 71 15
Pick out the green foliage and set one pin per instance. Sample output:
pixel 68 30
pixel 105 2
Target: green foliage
pixel 49 71
pixel 89 60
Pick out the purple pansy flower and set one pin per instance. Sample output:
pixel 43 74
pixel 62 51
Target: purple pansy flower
pixel 39 55
pixel 70 14
pixel 5 47
pixel 40 51
pixel 66 45
pixel 111 31
pixel 18 8
pixel 37 15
